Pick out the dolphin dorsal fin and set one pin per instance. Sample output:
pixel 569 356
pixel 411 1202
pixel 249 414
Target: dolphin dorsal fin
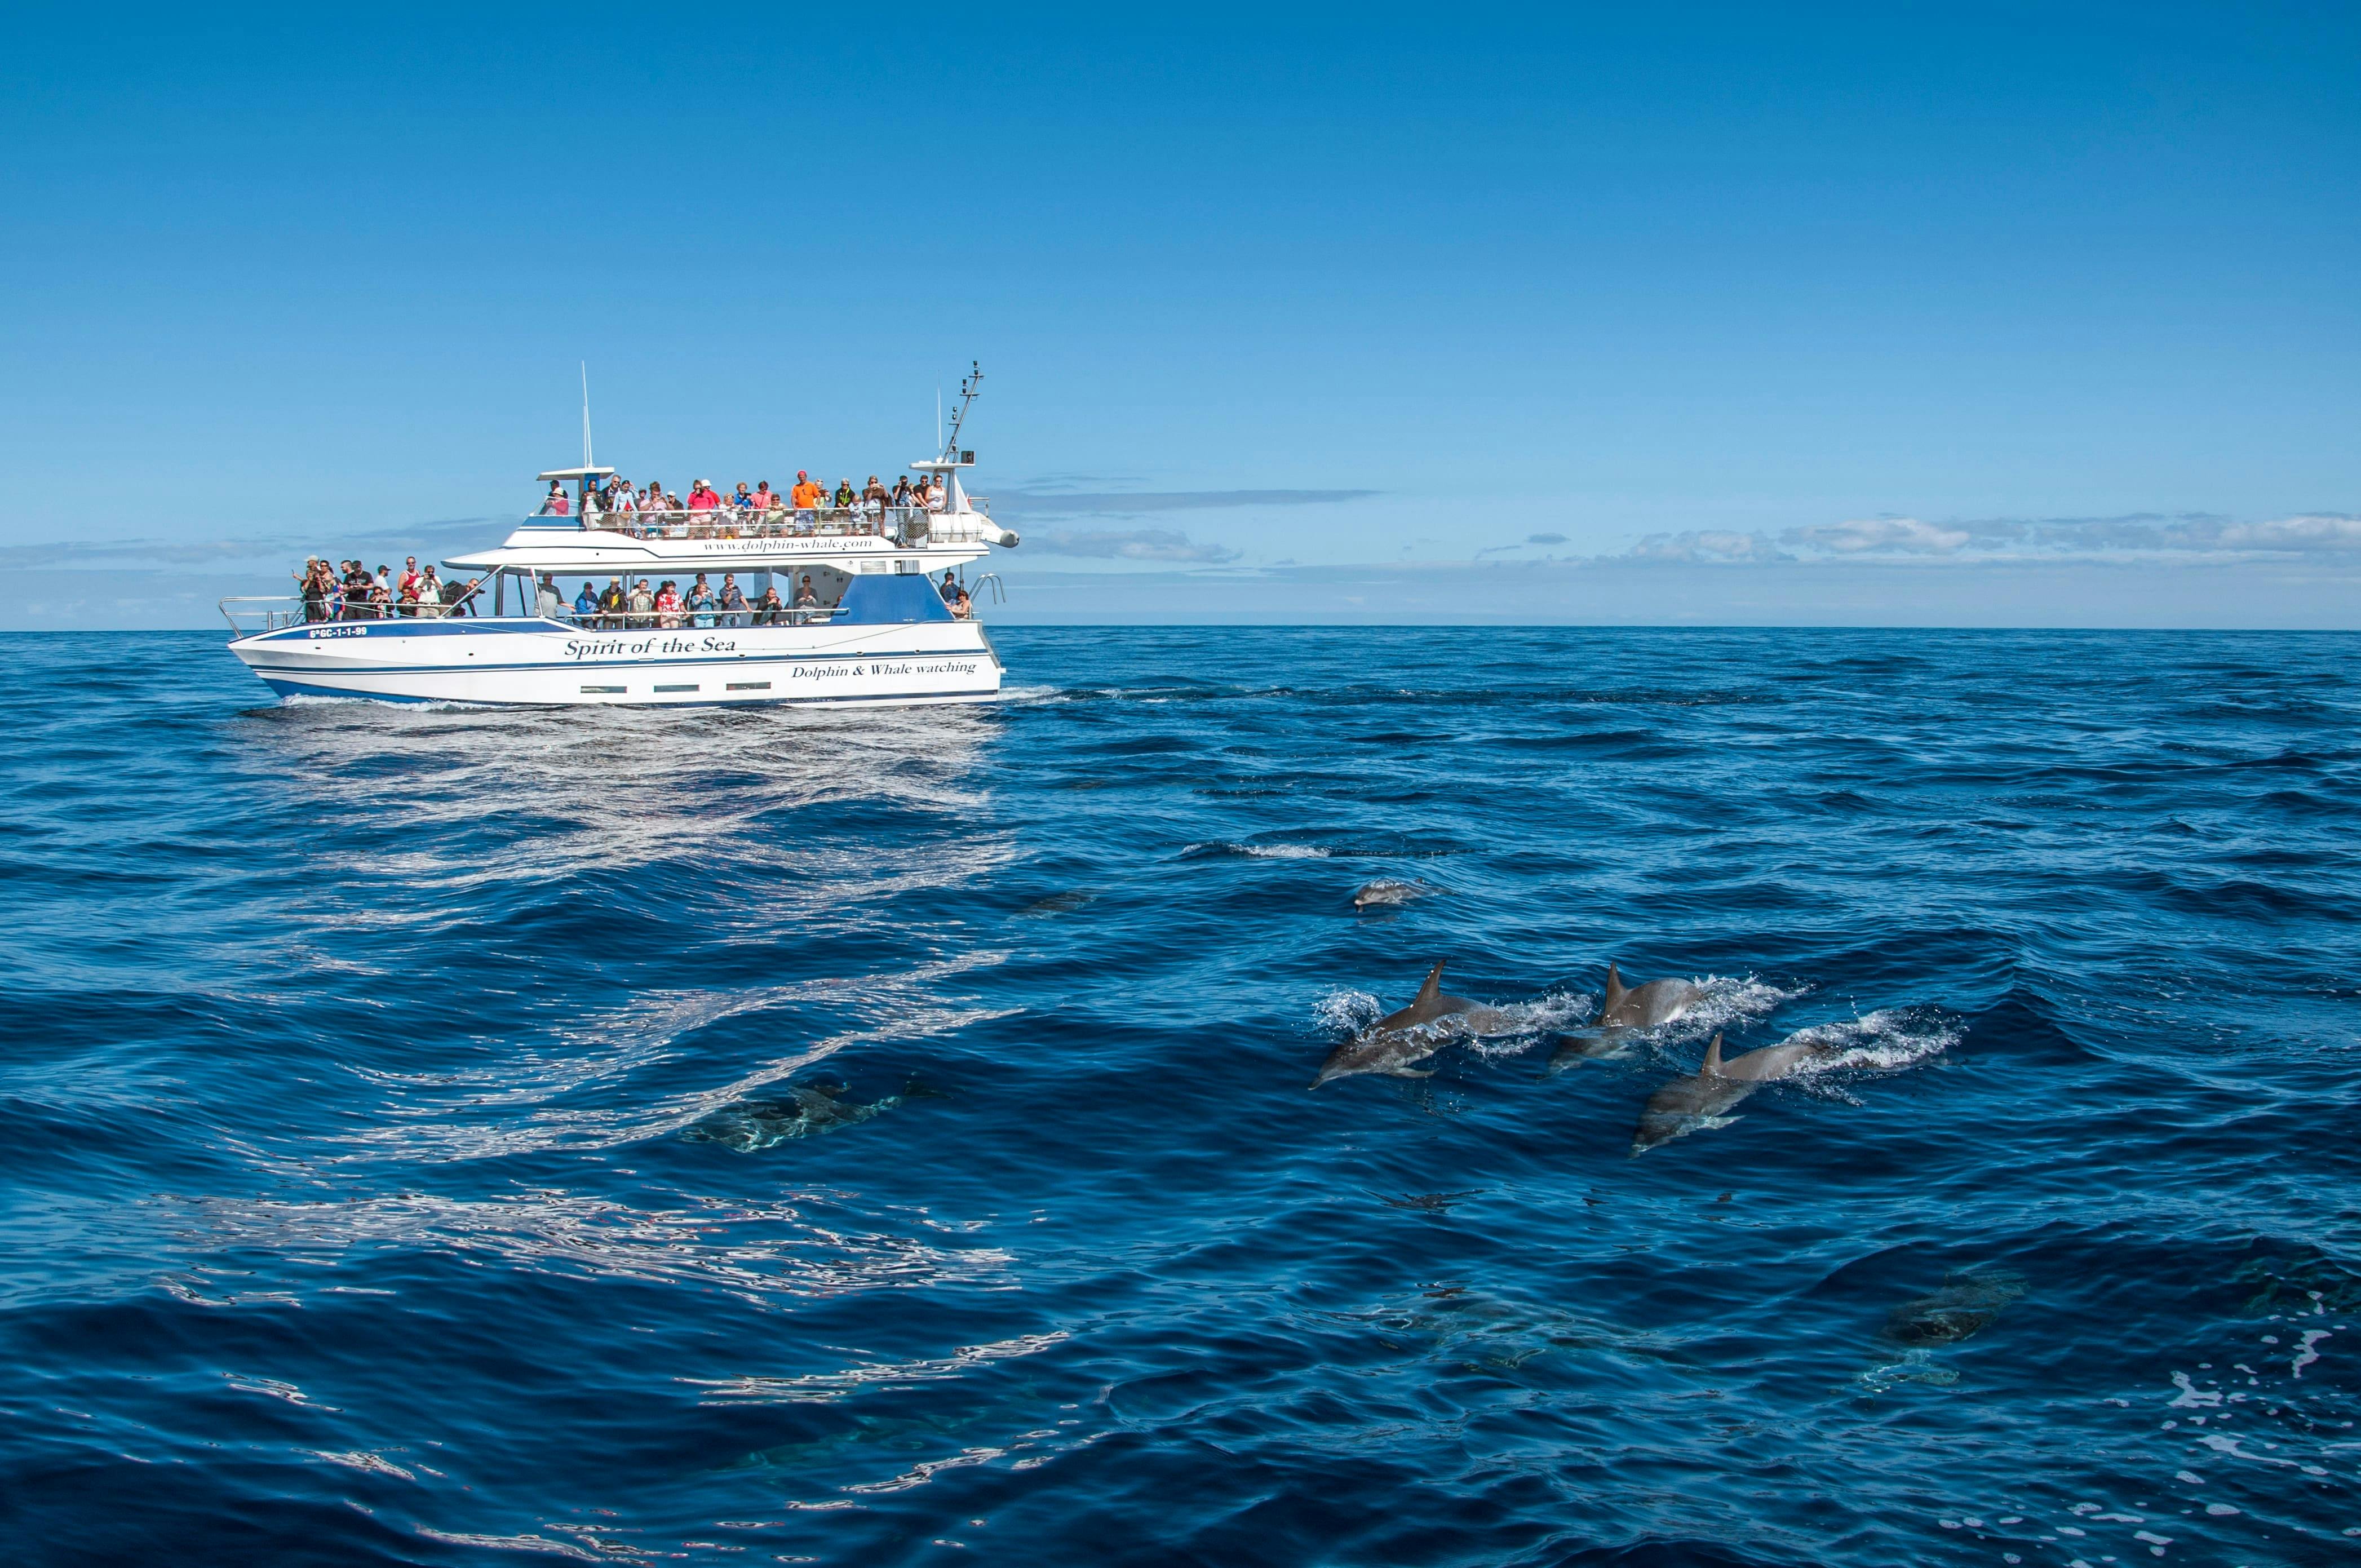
pixel 1615 988
pixel 1434 986
pixel 1712 1067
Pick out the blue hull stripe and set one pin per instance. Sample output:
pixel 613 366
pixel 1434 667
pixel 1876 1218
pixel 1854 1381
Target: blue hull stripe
pixel 300 688
pixel 740 661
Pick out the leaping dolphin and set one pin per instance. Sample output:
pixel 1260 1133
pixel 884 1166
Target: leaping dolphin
pixel 1412 1035
pixel 1623 1013
pixel 1686 1104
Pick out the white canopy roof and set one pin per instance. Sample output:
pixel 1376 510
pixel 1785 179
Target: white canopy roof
pixel 575 474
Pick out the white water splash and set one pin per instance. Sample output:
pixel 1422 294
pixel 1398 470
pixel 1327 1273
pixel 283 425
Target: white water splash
pixel 1347 1012
pixel 1887 1040
pixel 1258 851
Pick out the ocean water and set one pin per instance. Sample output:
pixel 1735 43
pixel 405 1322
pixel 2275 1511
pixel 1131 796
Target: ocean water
pixel 466 1137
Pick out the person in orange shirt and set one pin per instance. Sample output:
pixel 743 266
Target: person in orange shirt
pixel 806 496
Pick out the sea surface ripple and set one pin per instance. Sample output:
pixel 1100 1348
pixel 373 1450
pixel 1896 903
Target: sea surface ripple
pixel 451 1136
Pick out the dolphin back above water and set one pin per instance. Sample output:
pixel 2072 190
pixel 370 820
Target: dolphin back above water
pixel 1645 1006
pixel 1624 1012
pixel 1686 1104
pixel 1387 890
pixel 1409 1034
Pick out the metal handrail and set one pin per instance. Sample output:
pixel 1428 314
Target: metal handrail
pixel 688 620
pixel 776 523
pixel 297 614
pixel 300 612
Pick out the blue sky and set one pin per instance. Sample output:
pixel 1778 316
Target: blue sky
pixel 1979 305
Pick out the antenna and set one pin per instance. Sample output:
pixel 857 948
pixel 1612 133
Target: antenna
pixel 586 413
pixel 968 384
pixel 938 416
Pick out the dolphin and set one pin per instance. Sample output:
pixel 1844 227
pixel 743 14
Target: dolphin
pixel 1913 1331
pixel 1384 890
pixel 1412 1035
pixel 1622 1014
pixel 1645 1006
pixel 1686 1104
pixel 804 1110
pixel 1968 1301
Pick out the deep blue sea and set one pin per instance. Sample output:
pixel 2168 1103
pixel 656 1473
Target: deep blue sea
pixel 451 1136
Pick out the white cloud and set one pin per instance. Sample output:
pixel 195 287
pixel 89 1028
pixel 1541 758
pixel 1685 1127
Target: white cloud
pixel 1130 544
pixel 1880 536
pixel 2310 532
pixel 1706 544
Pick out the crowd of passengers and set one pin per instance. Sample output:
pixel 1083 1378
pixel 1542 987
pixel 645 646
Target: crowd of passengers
pixel 805 504
pixel 352 592
pixel 666 606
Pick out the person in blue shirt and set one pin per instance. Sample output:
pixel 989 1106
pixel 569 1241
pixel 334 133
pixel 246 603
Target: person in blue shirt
pixel 586 603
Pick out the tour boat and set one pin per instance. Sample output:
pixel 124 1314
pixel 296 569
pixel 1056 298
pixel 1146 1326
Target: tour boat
pixel 876 630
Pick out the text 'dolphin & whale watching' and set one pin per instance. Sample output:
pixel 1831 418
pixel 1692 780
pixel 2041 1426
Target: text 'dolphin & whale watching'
pixel 615 594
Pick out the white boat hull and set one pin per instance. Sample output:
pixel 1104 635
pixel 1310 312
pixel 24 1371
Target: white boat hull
pixel 540 662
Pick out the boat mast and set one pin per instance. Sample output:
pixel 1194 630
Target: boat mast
pixel 583 487
pixel 958 416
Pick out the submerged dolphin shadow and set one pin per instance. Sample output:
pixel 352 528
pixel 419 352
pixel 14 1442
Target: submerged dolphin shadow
pixel 1967 1303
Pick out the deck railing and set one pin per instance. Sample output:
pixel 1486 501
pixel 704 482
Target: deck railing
pixel 276 612
pixel 905 525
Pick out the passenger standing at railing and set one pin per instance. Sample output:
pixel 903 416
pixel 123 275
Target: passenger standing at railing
pixel 762 500
pixel 698 601
pixel 554 504
pixel 846 496
pixel 643 607
pixel 611 605
pixel 804 598
pixel 806 498
pixel 429 593
pixel 355 587
pixel 585 605
pixel 701 496
pixel 669 606
pixel 935 495
pixel 769 610
pixel 314 585
pixel 901 492
pixel 405 592
pixel 549 603
pixel 734 599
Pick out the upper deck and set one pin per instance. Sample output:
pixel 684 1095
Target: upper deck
pixel 908 536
